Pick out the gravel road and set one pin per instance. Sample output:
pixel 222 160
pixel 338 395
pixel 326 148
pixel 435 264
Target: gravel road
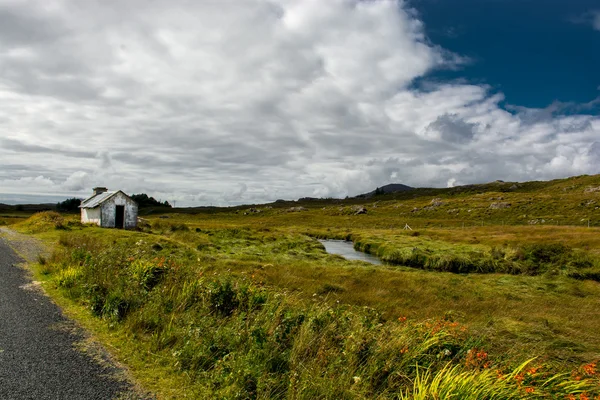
pixel 40 350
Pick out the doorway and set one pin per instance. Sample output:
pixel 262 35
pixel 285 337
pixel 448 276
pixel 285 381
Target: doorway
pixel 120 217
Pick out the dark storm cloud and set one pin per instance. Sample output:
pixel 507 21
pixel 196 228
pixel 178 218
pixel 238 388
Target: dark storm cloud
pixel 452 129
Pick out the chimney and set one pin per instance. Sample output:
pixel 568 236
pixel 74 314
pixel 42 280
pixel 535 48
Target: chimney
pixel 98 190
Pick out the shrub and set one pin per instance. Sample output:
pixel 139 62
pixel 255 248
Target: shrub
pixel 546 253
pixel 583 274
pixel 179 227
pixel 41 259
pixel 96 296
pixel 115 306
pixel 147 274
pixel 68 277
pixel 223 298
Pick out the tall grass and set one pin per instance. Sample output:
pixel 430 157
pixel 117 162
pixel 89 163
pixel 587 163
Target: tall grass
pixel 436 255
pixel 46 221
pixel 235 337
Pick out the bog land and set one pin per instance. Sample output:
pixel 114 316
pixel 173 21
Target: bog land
pixel 493 293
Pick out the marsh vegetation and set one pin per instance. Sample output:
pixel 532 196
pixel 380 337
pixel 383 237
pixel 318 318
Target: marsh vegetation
pixel 226 305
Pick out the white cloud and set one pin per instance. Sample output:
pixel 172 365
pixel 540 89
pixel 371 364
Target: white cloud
pixel 596 20
pixel 591 17
pixel 228 102
pixel 77 181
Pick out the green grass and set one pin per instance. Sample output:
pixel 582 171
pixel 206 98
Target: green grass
pixel 226 305
pixel 241 313
pixel 47 221
pixel 13 217
pixel 235 337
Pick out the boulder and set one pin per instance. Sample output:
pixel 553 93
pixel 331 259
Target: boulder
pixel 436 202
pixel 592 189
pixel 296 209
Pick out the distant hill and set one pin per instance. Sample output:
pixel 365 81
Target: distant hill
pixel 28 207
pixel 387 189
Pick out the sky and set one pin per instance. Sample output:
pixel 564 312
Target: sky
pixel 226 102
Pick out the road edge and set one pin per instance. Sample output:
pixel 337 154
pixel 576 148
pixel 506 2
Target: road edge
pixel 29 249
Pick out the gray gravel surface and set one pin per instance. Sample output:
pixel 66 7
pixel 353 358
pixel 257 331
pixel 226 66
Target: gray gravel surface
pixel 39 358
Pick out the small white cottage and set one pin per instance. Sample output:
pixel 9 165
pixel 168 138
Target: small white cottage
pixel 109 209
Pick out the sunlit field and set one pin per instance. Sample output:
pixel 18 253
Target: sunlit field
pixel 245 303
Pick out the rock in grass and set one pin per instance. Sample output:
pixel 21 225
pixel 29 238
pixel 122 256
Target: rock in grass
pixel 436 202
pixel 296 209
pixel 592 189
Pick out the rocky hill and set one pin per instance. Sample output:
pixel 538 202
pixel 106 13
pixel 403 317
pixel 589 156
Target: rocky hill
pixel 387 189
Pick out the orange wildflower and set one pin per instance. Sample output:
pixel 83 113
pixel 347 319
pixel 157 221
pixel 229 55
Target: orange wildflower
pixel 533 370
pixel 529 390
pixel 571 397
pixel 519 378
pixel 583 396
pixel 402 319
pixel 477 358
pixel 590 368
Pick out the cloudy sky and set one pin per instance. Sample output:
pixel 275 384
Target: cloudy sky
pixel 239 101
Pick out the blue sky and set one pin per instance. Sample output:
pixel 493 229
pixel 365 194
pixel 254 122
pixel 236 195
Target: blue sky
pixel 534 51
pixel 249 101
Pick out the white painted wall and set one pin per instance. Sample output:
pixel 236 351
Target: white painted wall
pixel 90 215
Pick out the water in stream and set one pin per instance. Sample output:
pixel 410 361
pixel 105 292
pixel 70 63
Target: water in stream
pixel 345 249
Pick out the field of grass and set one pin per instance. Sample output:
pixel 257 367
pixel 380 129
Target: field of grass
pixel 13 217
pixel 235 303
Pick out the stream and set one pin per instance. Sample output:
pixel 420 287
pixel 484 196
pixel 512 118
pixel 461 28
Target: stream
pixel 345 249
